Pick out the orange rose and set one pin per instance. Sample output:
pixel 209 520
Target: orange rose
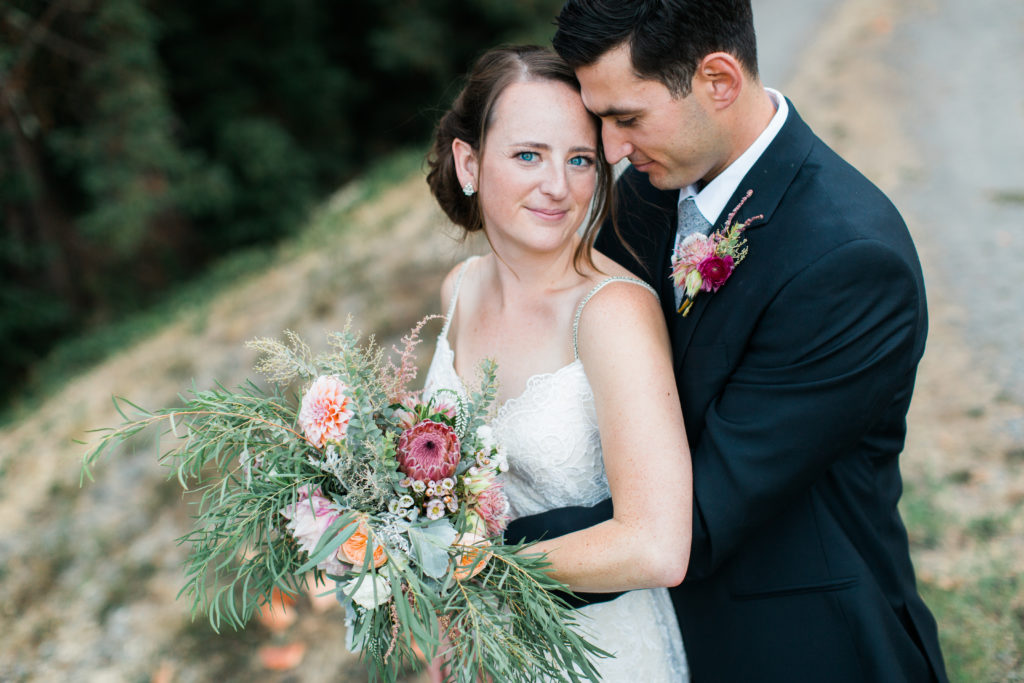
pixel 472 559
pixel 353 550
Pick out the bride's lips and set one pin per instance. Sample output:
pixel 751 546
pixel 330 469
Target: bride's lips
pixel 549 214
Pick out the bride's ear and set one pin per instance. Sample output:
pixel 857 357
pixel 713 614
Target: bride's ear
pixel 466 164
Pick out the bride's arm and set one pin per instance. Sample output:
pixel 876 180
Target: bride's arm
pixel 625 351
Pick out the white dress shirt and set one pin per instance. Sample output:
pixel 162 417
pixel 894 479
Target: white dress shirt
pixel 712 198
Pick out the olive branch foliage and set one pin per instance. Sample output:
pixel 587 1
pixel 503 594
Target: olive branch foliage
pixel 243 457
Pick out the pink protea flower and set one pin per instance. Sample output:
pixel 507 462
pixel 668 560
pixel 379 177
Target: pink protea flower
pixel 715 270
pixel 690 252
pixel 444 406
pixel 406 410
pixel 308 518
pixel 429 451
pixel 326 410
pixel 492 506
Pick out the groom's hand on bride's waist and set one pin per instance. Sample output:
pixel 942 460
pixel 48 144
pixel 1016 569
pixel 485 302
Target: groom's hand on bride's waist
pixel 558 522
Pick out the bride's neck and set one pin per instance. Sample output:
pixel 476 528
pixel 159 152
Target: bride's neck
pixel 527 277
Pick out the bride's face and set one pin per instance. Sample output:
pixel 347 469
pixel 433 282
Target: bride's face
pixel 538 169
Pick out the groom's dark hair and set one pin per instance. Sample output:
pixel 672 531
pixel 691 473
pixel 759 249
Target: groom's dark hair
pixel 666 38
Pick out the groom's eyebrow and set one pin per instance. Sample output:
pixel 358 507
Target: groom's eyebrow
pixel 613 112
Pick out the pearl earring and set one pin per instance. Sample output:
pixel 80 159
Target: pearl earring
pixel 468 189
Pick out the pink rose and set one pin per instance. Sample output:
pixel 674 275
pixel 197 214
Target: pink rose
pixel 326 410
pixel 429 451
pixel 715 270
pixel 308 518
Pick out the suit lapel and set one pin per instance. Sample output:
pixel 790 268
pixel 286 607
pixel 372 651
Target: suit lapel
pixel 769 178
pixel 772 173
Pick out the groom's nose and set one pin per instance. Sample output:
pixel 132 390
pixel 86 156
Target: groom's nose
pixel 616 146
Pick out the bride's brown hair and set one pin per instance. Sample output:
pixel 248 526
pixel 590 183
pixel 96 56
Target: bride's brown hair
pixel 471 116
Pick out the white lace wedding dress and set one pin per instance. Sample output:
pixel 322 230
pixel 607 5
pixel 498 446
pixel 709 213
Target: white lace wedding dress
pixel 554 452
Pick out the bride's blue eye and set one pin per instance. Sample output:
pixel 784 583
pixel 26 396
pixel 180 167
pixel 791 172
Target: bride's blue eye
pixel 581 161
pixel 527 156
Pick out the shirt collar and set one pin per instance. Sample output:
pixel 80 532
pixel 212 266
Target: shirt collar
pixel 711 199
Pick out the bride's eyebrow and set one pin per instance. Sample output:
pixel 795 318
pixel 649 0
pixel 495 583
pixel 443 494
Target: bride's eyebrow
pixel 533 145
pixel 544 147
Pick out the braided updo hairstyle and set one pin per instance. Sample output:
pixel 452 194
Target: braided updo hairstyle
pixel 471 116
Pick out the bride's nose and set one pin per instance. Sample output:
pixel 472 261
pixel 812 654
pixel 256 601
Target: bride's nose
pixel 555 183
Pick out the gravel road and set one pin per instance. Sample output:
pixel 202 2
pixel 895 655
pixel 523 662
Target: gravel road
pixel 958 93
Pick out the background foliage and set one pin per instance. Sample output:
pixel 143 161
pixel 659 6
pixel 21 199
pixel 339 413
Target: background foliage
pixel 141 140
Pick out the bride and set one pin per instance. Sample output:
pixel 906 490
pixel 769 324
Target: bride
pixel 588 402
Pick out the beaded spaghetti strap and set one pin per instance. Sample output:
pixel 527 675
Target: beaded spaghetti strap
pixel 595 290
pixel 455 295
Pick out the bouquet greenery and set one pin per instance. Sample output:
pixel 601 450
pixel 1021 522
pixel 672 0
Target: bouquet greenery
pixel 391 500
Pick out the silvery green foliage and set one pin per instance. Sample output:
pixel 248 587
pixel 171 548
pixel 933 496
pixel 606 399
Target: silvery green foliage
pixel 244 459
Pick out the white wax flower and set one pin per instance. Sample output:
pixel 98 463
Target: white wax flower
pixel 486 436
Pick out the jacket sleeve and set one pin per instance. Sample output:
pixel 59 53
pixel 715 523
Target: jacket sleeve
pixel 835 345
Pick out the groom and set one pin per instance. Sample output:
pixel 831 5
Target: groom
pixel 795 375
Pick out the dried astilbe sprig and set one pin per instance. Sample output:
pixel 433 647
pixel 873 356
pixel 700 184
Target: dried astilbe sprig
pixel 396 380
pixel 281 362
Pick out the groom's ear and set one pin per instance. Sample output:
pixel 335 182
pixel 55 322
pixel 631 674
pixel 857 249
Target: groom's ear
pixel 466 163
pixel 720 78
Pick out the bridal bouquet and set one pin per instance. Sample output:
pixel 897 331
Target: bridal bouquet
pixel 388 499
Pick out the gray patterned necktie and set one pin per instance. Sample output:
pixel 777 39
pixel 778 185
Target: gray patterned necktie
pixel 690 220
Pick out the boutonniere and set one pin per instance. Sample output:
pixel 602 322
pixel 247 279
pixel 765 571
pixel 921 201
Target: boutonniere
pixel 703 263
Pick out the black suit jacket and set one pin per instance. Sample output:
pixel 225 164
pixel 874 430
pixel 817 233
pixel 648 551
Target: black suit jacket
pixel 795 379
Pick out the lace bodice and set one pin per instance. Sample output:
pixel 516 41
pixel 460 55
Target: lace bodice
pixel 550 435
pixel 549 431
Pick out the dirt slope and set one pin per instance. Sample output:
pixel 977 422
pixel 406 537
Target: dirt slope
pixel 89 576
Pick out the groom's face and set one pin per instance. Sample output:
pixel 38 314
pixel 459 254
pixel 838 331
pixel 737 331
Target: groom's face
pixel 671 139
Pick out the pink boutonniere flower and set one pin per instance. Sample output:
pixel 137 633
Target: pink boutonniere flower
pixel 703 263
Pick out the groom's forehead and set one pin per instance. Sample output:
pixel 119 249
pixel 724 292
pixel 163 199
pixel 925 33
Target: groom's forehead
pixel 612 79
pixel 609 97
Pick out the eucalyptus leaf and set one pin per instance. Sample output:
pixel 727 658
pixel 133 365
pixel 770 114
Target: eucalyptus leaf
pixel 430 545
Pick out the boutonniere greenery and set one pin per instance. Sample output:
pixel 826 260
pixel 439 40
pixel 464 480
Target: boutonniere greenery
pixel 703 263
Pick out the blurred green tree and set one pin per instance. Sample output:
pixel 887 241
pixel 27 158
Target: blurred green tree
pixel 142 139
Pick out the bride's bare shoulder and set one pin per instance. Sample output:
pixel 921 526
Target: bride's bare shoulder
pixel 448 285
pixel 450 280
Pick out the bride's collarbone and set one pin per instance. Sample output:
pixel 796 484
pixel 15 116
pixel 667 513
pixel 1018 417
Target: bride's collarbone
pixel 520 355
pixel 527 337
